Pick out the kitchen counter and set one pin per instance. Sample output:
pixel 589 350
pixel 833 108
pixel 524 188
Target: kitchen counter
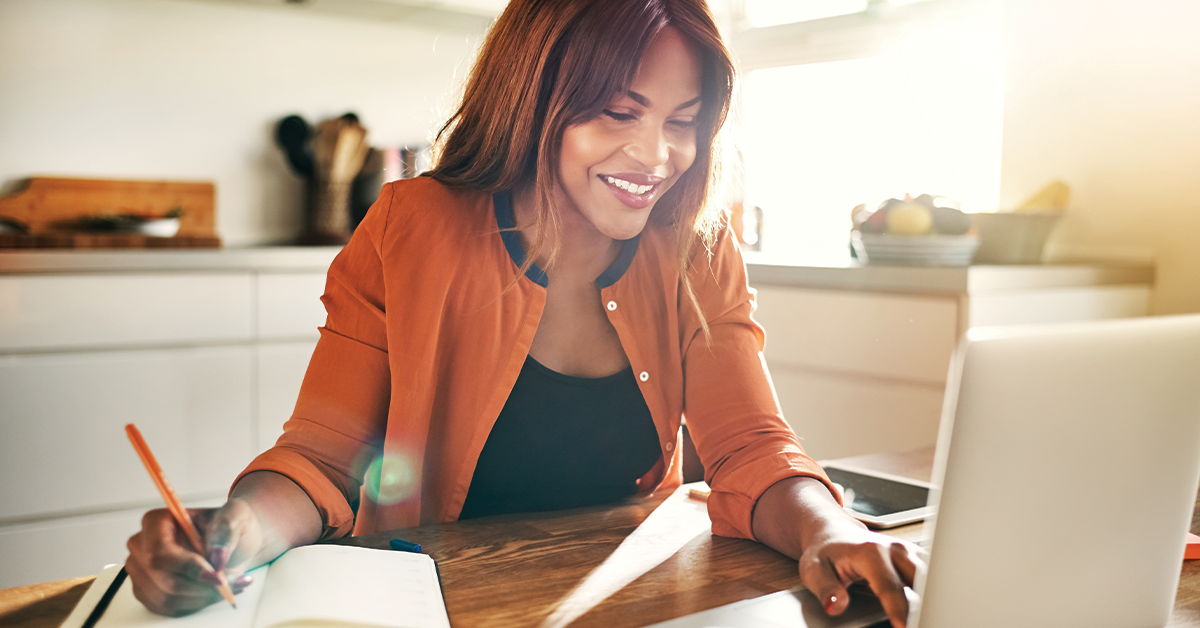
pixel 944 280
pixel 847 276
pixel 275 258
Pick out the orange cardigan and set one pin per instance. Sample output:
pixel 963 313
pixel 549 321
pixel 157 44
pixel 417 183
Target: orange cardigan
pixel 422 346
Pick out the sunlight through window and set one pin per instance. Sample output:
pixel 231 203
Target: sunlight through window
pixel 771 12
pixel 923 117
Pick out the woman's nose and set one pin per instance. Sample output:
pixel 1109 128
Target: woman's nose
pixel 650 146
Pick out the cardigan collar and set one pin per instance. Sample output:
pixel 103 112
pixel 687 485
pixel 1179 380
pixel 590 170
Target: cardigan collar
pixel 502 202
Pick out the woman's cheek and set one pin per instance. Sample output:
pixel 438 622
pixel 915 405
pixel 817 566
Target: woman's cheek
pixel 685 153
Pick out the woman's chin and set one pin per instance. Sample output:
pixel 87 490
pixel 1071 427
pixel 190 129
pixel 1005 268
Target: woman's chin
pixel 626 229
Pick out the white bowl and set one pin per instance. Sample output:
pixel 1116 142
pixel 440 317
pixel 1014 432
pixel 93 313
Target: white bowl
pixel 925 250
pixel 159 227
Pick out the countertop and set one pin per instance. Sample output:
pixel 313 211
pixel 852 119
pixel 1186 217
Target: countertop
pixel 974 279
pixel 271 258
pixel 837 276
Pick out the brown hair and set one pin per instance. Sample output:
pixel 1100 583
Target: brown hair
pixel 549 64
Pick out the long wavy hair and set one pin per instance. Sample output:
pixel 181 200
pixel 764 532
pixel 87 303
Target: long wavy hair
pixel 547 65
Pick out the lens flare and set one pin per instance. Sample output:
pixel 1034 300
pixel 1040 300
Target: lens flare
pixel 389 479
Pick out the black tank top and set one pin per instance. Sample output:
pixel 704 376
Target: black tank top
pixel 563 442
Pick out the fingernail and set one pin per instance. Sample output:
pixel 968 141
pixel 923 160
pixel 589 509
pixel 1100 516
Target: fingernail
pixel 217 557
pixel 829 604
pixel 244 580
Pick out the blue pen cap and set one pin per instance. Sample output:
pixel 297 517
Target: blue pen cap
pixel 404 546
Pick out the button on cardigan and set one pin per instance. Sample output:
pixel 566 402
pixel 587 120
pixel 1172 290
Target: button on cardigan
pixel 429 324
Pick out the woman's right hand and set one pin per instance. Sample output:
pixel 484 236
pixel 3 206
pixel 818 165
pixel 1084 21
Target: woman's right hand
pixel 170 578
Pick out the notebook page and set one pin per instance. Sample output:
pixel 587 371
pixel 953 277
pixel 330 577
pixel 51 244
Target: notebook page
pixel 341 585
pixel 126 612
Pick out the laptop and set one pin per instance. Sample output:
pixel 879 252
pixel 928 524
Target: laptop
pixel 1066 472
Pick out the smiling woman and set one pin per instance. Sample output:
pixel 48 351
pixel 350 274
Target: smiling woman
pixel 523 328
pixel 573 59
pixel 615 166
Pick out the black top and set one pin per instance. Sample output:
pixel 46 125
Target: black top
pixel 563 442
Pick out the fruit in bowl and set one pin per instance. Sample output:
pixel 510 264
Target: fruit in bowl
pixel 912 217
pixel 913 232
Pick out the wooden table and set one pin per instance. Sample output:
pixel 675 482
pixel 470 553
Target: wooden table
pixel 636 563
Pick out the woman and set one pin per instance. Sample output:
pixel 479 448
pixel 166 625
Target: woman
pixel 522 328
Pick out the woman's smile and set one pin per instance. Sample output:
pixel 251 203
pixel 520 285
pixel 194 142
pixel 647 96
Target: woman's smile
pixel 635 190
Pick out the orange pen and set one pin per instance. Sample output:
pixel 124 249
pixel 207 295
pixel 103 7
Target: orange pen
pixel 175 506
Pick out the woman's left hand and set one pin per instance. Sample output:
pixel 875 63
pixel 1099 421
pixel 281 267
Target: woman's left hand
pixel 841 554
pixel 800 518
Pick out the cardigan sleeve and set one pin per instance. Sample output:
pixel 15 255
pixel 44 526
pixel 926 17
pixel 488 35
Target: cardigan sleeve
pixel 341 412
pixel 732 412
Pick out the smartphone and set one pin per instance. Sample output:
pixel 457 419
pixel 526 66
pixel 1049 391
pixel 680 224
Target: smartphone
pixel 880 500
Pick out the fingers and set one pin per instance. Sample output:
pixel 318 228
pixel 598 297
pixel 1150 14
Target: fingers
pixel 877 569
pixel 232 535
pixel 905 562
pixel 221 536
pixel 887 566
pixel 167 576
pixel 821 578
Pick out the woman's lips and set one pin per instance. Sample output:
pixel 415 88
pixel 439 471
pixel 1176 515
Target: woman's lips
pixel 634 190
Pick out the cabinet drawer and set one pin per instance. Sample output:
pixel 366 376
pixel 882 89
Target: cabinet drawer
pixel 1059 305
pixel 289 305
pixel 879 335
pixel 281 369
pixel 839 416
pixel 64 449
pixel 79 311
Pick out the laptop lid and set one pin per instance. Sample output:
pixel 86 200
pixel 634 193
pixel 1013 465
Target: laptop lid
pixel 1068 465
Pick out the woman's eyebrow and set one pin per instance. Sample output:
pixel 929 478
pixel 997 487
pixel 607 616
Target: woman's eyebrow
pixel 645 102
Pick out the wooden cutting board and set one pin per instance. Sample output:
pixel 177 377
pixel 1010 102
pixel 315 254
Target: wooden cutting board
pixel 50 207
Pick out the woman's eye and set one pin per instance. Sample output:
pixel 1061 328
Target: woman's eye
pixel 619 117
pixel 687 123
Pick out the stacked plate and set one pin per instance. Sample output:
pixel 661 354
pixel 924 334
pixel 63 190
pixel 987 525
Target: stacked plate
pixel 926 250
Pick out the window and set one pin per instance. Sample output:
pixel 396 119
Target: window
pixel 761 13
pixel 867 108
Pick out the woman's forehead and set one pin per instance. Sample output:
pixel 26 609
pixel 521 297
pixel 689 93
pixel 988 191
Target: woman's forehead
pixel 668 73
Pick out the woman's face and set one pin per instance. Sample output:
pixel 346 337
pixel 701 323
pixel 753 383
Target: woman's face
pixel 615 167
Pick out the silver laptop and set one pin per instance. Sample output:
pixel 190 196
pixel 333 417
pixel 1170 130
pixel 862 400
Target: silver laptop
pixel 1068 463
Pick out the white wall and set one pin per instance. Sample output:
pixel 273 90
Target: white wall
pixel 1105 95
pixel 171 89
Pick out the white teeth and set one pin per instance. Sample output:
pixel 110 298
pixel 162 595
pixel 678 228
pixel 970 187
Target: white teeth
pixel 629 187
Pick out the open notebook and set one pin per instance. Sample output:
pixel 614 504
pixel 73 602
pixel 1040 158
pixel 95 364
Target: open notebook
pixel 315 585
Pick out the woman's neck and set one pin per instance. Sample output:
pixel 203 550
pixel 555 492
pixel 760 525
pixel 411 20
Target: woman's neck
pixel 583 251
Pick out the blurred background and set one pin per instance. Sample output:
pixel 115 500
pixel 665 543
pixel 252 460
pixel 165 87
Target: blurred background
pixel 844 103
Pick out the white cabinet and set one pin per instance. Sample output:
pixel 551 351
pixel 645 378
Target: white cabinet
pixel 203 351
pixel 281 368
pixel 287 308
pixel 64 417
pixel 88 310
pixel 858 372
pixel 859 355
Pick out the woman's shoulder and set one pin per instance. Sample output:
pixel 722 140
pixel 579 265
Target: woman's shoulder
pixel 426 207
pixel 426 195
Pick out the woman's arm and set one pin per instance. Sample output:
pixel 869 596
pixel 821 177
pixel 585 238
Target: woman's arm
pixel 799 517
pixel 266 515
pixel 763 485
pixel 299 490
